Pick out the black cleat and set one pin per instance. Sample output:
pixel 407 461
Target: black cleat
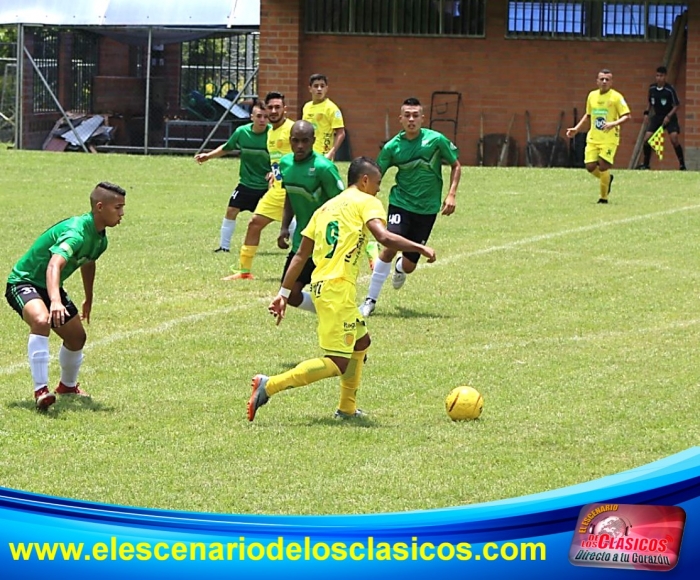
pixel 601 200
pixel 220 249
pixel 643 166
pixel 682 168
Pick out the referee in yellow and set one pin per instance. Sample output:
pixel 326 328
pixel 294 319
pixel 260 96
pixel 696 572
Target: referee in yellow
pixel 607 110
pixel 336 236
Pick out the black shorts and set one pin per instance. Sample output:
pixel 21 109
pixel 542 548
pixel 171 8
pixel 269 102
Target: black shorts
pixel 656 121
pixel 17 296
pixel 413 226
pixel 305 276
pixel 245 198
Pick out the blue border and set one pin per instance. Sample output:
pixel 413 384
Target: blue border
pixel 547 518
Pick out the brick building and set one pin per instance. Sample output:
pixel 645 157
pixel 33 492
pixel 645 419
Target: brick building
pixel 506 64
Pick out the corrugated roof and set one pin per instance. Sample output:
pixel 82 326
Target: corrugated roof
pixel 231 13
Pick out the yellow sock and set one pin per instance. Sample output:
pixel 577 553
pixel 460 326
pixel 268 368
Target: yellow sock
pixel 350 381
pixel 246 257
pixel 596 173
pixel 604 184
pixel 303 374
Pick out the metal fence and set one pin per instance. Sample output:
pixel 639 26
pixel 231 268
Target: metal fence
pixel 83 69
pixel 8 84
pixel 213 67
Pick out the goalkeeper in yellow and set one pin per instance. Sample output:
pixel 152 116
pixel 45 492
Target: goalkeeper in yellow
pixel 607 110
pixel 336 235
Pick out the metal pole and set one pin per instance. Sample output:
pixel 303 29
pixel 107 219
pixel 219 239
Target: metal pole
pixel 242 92
pixel 55 100
pixel 19 109
pixel 148 90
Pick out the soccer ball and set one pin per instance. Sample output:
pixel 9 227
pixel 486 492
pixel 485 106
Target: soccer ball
pixel 464 403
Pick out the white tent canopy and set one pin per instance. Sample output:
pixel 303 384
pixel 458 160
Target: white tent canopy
pixel 187 13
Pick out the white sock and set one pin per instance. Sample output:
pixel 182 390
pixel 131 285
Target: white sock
pixel 70 365
pixel 227 229
pixel 38 353
pixel 292 229
pixel 399 265
pixel 306 303
pixel 379 275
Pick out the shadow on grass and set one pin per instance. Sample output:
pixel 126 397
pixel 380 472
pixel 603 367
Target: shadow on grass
pixel 363 423
pixel 403 312
pixel 66 403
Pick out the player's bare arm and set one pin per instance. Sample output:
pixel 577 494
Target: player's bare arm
pixel 87 272
pixel 338 138
pixel 396 242
pixel 450 203
pixel 571 131
pixel 612 124
pixel 287 216
pixel 57 312
pixel 204 157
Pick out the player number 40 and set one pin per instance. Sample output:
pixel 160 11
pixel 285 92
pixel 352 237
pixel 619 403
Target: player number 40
pixel 394 219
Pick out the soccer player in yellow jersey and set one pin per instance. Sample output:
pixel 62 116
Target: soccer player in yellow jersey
pixel 271 205
pixel 607 110
pixel 325 116
pixel 336 235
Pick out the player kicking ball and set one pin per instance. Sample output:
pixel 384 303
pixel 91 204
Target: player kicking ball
pixel 336 236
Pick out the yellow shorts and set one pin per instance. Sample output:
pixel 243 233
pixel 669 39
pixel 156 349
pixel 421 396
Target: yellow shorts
pixel 271 205
pixel 605 151
pixel 340 323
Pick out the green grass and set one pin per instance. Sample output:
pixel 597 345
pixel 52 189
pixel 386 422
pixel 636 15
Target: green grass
pixel 578 322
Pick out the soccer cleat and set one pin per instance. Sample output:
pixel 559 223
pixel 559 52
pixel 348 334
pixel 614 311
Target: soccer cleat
pixel 682 168
pixel 372 250
pixel 358 414
pixel 239 275
pixel 643 166
pixel 62 389
pixel 601 200
pixel 258 397
pixel 368 307
pixel 220 249
pixel 398 279
pixel 44 399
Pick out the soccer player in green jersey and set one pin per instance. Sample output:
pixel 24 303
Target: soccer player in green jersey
pixel 416 197
pixel 336 235
pixel 310 179
pixel 35 289
pixel 250 141
pixel 607 110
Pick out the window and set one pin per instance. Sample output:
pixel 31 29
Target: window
pixel 46 59
pixel 396 17
pixel 592 19
pixel 83 69
pixel 214 67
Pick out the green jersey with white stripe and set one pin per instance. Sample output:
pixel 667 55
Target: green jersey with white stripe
pixel 75 238
pixel 418 185
pixel 309 183
pixel 255 159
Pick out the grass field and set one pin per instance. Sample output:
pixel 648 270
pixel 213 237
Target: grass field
pixel 578 322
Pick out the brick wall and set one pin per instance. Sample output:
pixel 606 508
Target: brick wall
pixel 692 102
pixel 281 50
pixel 497 76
